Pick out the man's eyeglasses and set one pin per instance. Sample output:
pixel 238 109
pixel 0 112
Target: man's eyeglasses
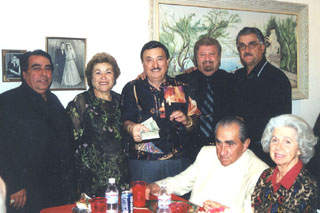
pixel 250 46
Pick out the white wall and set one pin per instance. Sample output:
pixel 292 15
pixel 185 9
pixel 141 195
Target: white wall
pixel 120 28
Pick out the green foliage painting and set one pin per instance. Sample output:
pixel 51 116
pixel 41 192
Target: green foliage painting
pixel 181 26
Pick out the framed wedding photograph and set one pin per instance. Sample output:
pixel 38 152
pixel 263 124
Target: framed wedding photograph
pixel 68 57
pixel 178 24
pixel 11 69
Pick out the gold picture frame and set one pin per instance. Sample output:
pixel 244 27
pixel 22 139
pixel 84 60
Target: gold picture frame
pixel 179 23
pixel 11 69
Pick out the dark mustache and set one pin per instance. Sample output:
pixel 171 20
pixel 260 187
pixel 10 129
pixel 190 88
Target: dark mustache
pixel 247 54
pixel 156 68
pixel 207 62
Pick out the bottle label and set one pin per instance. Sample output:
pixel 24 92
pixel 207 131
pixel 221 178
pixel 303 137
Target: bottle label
pixel 112 197
pixel 164 201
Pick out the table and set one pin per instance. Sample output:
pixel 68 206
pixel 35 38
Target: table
pixel 68 208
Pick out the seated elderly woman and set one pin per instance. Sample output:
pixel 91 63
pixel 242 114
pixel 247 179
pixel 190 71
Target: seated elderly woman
pixel 288 187
pixel 97 128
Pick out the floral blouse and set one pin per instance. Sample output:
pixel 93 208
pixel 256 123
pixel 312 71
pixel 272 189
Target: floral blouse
pixel 100 154
pixel 300 197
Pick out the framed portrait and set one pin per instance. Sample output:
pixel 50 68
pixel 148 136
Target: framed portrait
pixel 68 57
pixel 11 70
pixel 178 24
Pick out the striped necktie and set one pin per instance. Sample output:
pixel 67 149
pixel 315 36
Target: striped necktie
pixel 206 119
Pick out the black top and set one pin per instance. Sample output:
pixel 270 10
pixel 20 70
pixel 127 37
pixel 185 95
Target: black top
pixel 35 146
pixel 313 165
pixel 261 95
pixel 152 103
pixel 221 83
pixel 98 137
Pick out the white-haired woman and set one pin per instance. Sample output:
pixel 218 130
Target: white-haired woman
pixel 288 187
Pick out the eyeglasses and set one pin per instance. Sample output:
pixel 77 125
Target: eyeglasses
pixel 250 46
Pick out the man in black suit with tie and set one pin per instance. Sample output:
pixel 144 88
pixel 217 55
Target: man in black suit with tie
pixel 60 60
pixel 212 88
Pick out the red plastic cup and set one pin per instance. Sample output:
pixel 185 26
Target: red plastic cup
pixel 138 191
pixel 99 205
pixel 179 207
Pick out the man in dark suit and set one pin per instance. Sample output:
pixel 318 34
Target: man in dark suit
pixel 60 60
pixel 212 90
pixel 35 145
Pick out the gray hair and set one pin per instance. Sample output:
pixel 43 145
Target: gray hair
pixel 305 138
pixel 251 30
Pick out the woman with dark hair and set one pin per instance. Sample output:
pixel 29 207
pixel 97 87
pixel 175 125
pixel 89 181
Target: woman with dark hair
pixel 97 128
pixel 288 187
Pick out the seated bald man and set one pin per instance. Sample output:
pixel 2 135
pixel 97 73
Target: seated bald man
pixel 223 175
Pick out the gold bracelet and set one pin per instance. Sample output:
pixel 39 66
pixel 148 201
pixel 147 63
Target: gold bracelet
pixel 189 122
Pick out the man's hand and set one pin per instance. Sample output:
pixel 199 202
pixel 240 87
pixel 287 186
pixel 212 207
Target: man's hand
pixel 190 70
pixel 210 205
pixel 18 199
pixel 152 188
pixel 179 116
pixel 141 76
pixel 135 130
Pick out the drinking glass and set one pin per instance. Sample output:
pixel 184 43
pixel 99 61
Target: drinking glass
pixel 138 191
pixel 99 205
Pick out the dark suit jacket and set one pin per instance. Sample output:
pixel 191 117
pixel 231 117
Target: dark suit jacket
pixel 221 82
pixel 35 146
pixel 60 59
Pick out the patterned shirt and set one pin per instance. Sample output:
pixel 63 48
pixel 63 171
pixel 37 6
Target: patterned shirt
pixel 141 101
pixel 300 197
pixel 100 152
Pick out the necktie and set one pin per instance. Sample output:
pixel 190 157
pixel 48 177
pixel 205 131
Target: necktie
pixel 206 119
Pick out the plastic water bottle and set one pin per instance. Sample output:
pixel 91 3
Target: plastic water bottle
pixel 112 195
pixel 164 200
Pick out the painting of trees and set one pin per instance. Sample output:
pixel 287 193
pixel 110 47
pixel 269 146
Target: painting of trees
pixel 178 24
pixel 179 34
pixel 286 33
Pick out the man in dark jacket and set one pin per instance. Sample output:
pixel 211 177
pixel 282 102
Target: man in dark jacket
pixel 263 91
pixel 211 88
pixel 60 61
pixel 35 141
